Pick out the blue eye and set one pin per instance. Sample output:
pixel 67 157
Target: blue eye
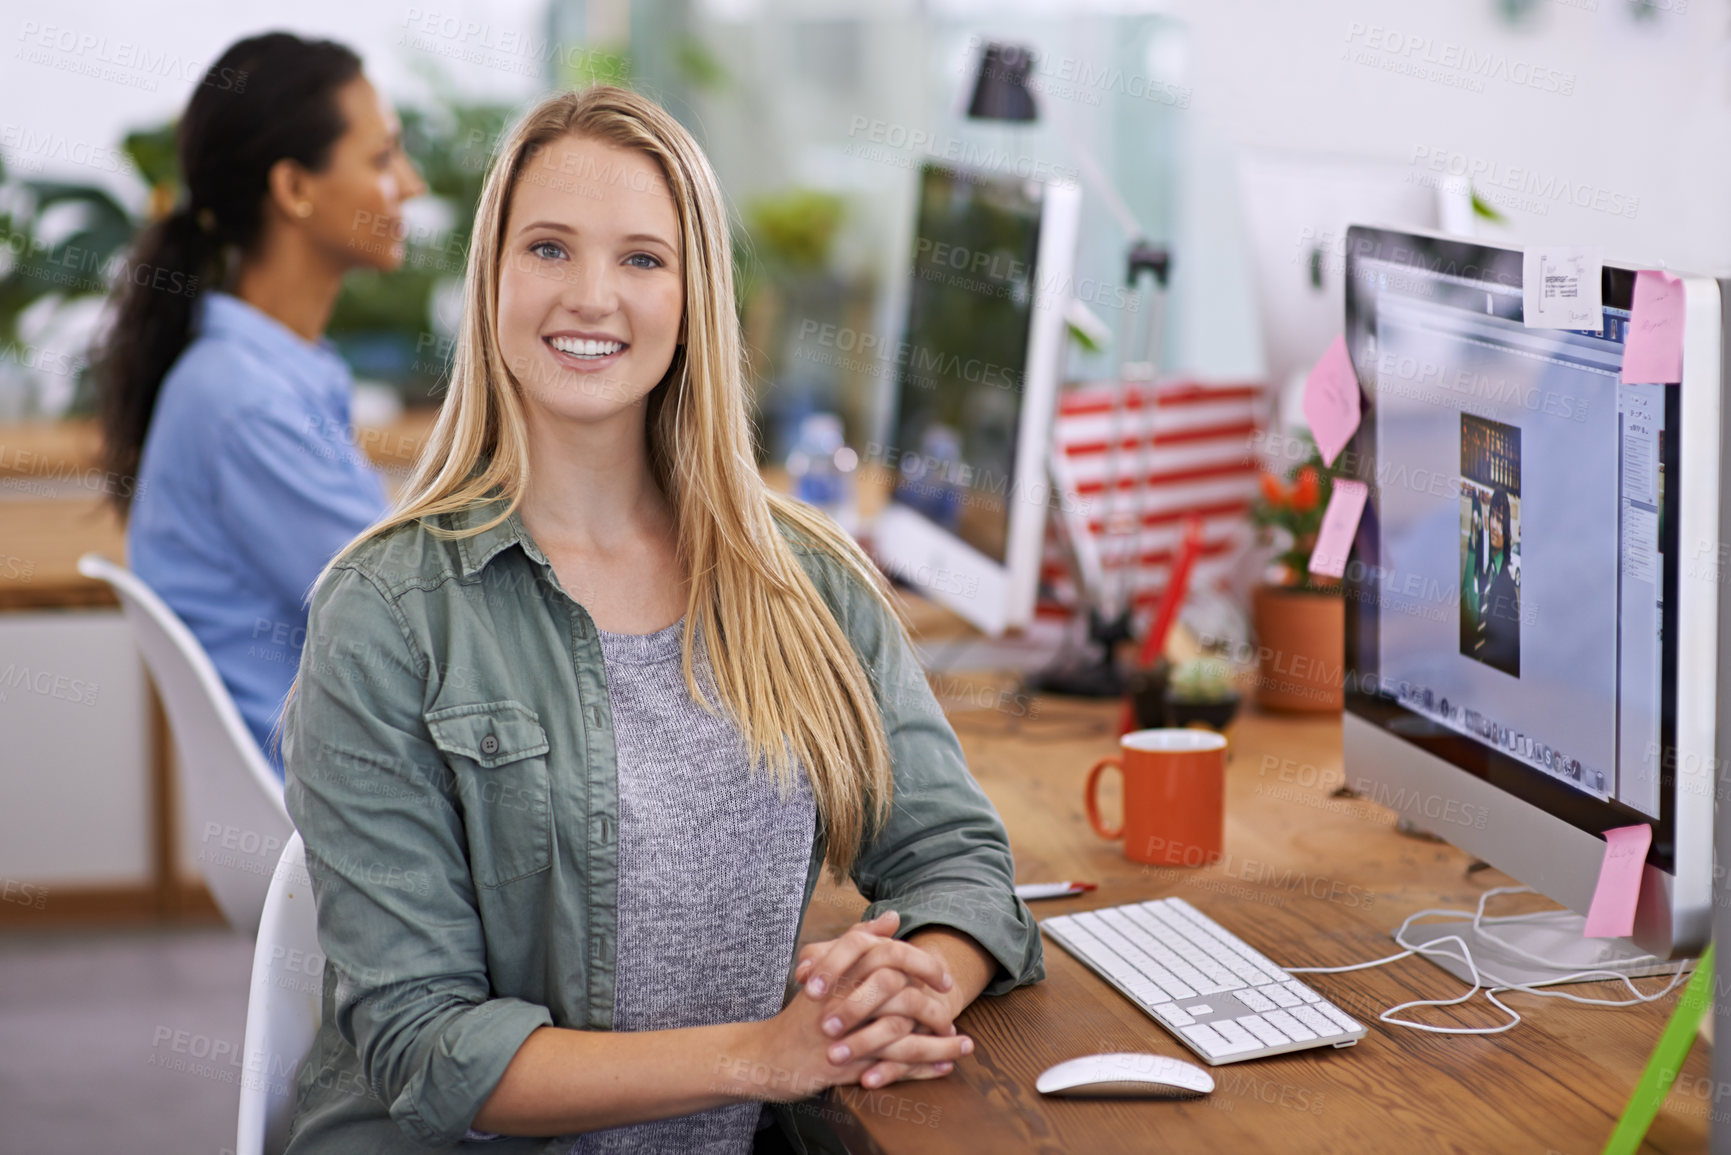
pixel 539 245
pixel 654 261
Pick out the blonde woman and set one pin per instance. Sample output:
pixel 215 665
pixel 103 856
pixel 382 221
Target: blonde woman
pixel 580 722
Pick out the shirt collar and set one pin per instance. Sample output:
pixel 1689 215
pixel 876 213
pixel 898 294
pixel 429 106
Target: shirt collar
pixel 314 362
pixel 475 550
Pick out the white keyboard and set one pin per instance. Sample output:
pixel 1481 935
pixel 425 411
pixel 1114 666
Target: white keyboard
pixel 1204 984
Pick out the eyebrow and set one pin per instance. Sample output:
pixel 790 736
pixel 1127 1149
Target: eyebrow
pixel 555 226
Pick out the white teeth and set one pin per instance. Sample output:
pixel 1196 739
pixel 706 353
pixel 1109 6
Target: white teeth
pixel 579 347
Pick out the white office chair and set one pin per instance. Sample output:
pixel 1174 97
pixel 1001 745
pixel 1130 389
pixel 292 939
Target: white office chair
pixel 284 1007
pixel 233 797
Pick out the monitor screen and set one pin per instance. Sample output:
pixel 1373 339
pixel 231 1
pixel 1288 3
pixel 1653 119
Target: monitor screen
pixel 1509 596
pixel 959 373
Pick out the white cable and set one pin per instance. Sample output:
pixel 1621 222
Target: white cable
pixel 1342 970
pixel 1479 923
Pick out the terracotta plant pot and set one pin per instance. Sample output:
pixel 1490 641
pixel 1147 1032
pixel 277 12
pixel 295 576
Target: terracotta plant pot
pixel 1300 649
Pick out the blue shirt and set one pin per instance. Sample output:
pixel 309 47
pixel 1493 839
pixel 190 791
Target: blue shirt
pixel 249 483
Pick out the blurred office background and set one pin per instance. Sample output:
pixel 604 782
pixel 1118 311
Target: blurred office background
pixel 1595 121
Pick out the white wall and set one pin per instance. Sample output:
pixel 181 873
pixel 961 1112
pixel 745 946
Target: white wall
pixel 1648 120
pixel 77 77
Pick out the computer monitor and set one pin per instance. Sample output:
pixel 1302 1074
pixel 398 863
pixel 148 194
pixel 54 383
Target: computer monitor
pixel 975 384
pixel 1532 613
pixel 1297 207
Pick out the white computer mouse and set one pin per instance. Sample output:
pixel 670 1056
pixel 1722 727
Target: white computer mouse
pixel 1124 1076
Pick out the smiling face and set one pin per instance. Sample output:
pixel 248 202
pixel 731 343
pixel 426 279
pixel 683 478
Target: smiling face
pixel 591 292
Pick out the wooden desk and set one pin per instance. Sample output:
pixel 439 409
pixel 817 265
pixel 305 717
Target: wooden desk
pixel 1308 879
pixel 52 510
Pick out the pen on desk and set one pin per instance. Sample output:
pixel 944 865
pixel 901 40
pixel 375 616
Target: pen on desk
pixel 1028 891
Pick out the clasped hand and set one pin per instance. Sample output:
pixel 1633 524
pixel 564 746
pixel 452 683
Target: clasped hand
pixel 872 1010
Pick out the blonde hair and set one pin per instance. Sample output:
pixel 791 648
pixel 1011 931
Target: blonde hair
pixel 785 672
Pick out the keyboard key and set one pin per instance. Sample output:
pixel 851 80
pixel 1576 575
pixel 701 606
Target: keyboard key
pixel 1235 1034
pixel 1281 996
pixel 1304 992
pixel 1310 1018
pixel 1172 1013
pixel 1270 1035
pixel 1200 1009
pixel 1289 1026
pixel 1217 1044
pixel 1207 1038
pixel 1255 1000
pixel 1334 1015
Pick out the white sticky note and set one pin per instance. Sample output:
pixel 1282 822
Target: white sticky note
pixel 1560 287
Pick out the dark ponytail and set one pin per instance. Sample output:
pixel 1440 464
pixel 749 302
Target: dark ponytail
pixel 268 98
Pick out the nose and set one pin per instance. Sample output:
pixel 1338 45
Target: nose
pixel 590 290
pixel 409 180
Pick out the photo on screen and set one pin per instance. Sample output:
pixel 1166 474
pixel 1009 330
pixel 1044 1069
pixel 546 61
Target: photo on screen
pixel 1490 552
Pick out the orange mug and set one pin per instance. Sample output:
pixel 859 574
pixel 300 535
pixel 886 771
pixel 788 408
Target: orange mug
pixel 1174 796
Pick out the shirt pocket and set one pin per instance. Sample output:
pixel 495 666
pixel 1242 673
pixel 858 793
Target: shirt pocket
pixel 497 752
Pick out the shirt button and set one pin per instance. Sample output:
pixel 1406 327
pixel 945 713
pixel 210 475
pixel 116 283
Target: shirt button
pixel 490 745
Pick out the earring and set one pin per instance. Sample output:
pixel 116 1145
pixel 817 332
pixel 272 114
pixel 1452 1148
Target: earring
pixel 304 209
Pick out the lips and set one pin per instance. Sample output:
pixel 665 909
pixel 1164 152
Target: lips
pixel 585 354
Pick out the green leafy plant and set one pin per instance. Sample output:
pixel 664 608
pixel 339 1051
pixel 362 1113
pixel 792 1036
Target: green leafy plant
pixel 794 230
pixel 1204 679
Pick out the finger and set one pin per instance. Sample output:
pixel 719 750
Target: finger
pixel 866 1042
pixel 854 1003
pixel 921 1004
pixel 845 951
pixel 917 1048
pixel 885 1073
pixel 812 951
pixel 902 956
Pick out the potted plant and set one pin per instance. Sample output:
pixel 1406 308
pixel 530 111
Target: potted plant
pixel 1299 617
pixel 1201 691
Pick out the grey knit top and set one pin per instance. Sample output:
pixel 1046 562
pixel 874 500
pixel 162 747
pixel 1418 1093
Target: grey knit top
pixel 712 866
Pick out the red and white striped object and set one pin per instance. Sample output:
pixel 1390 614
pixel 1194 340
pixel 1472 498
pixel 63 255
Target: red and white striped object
pixel 1183 447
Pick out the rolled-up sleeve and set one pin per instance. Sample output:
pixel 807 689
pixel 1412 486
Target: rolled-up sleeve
pixel 943 858
pixel 397 917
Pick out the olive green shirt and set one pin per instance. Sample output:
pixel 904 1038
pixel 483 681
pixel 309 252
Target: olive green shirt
pixel 450 765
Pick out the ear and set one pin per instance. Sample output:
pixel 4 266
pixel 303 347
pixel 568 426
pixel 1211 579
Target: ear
pixel 289 189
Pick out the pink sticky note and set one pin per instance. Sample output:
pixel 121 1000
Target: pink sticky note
pixel 1331 401
pixel 1339 526
pixel 1653 354
pixel 1612 914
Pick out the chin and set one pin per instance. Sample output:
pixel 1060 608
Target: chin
pixel 586 398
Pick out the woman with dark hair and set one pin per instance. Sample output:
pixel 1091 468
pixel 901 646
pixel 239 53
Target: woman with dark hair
pixel 218 393
pixel 1471 571
pixel 1500 610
